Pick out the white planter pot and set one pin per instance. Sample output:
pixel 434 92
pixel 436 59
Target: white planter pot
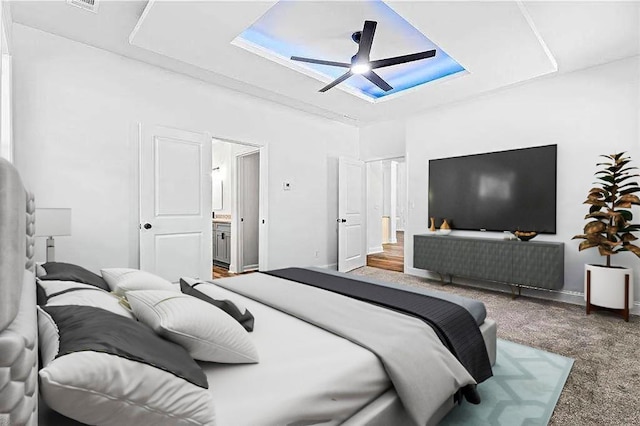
pixel 607 286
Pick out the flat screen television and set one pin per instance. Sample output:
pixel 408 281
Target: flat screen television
pixel 497 191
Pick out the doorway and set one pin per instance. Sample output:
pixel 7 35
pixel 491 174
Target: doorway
pixel 238 201
pixel 386 213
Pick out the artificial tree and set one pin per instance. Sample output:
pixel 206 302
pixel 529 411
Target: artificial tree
pixel 610 228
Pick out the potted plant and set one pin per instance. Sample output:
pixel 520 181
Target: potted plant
pixel 610 231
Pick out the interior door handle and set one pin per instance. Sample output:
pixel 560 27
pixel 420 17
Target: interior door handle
pixel 147 226
pixel 342 220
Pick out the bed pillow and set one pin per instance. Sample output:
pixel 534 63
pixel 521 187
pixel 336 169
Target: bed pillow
pixel 205 331
pixel 41 295
pixel 121 280
pixel 101 368
pixel 40 271
pixel 59 293
pixel 210 293
pixel 59 271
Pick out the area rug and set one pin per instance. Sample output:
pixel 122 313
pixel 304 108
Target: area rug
pixel 524 389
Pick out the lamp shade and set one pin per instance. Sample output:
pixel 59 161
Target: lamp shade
pixel 53 222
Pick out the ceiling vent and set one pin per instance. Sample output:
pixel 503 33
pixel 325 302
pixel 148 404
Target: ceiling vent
pixel 90 5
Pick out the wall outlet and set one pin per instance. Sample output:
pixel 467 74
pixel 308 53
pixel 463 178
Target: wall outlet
pixel 286 186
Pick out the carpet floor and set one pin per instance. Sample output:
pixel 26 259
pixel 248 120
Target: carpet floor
pixel 603 387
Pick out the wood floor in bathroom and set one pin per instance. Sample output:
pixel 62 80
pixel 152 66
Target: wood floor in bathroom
pixel 220 272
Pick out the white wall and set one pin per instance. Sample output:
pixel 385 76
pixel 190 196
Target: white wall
pixel 382 140
pixel 586 113
pixel 6 76
pixel 75 144
pixel 221 176
pixel 223 156
pixel 374 207
pixel 393 201
pixel 401 203
pixel 386 188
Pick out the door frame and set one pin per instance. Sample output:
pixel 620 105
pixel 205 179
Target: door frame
pixel 263 207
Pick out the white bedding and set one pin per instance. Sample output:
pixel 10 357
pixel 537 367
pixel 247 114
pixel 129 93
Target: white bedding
pixel 306 376
pixel 424 373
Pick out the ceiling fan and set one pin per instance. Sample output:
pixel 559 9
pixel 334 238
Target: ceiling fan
pixel 362 64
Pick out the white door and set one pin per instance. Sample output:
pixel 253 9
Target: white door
pixel 352 241
pixel 248 171
pixel 175 203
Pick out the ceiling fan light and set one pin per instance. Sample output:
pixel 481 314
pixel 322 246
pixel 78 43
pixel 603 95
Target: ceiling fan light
pixel 360 68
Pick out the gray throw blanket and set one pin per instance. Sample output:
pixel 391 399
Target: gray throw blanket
pixel 453 324
pixel 423 371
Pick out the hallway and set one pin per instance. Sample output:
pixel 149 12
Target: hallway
pixel 392 258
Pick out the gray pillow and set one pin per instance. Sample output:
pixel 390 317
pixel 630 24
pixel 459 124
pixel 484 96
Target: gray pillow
pixel 60 271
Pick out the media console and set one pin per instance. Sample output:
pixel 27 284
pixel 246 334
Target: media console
pixel 513 262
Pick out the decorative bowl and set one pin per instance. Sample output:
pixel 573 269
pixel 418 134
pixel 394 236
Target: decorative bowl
pixel 443 231
pixel 525 235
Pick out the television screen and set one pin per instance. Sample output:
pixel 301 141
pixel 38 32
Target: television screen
pixel 497 191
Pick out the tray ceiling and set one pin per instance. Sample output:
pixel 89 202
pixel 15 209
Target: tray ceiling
pixel 495 42
pixel 274 38
pixel 498 44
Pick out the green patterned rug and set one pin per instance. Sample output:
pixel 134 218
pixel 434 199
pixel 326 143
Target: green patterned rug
pixel 524 389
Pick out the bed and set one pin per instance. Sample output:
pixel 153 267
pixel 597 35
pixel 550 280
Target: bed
pixel 311 371
pixel 18 331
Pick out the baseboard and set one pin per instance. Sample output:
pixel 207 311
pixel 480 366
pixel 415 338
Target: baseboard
pixel 333 266
pixel 393 241
pixel 374 250
pixel 250 268
pixel 566 296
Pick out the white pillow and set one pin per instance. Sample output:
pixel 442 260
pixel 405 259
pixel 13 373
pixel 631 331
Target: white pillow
pixel 206 332
pixel 55 286
pixel 121 280
pixel 40 271
pixel 48 337
pixel 100 388
pixel 61 293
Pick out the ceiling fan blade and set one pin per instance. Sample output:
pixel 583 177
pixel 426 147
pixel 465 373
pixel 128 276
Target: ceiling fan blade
pixel 380 63
pixel 321 62
pixel 337 81
pixel 366 40
pixel 377 80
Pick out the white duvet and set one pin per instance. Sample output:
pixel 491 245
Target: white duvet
pixel 306 376
pixel 423 371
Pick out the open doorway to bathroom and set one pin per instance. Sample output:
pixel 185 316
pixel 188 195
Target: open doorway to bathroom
pixel 237 206
pixel 386 213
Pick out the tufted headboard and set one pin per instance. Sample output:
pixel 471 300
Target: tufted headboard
pixel 18 325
